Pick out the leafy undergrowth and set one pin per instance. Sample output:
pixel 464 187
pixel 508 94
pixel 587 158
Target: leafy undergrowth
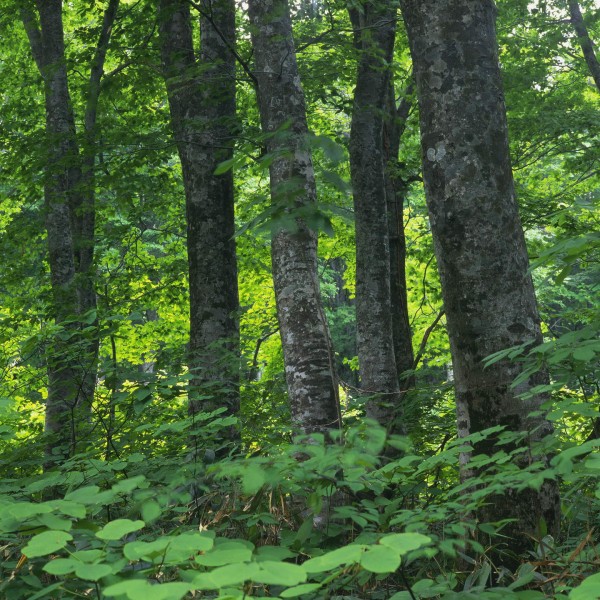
pixel 314 520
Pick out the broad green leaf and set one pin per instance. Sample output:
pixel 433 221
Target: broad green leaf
pixel 405 542
pixel 588 590
pixel 46 543
pixel 92 572
pixel 55 522
pixel 69 508
pixel 280 573
pixel 253 479
pixel 151 510
pixel 380 559
pixel 272 553
pixel 333 559
pixel 139 589
pixel 90 494
pixel 224 556
pixel 234 574
pixel 25 510
pixel 61 566
pixel 115 530
pixel 89 556
pixel 128 485
pixel 584 354
pixel 146 550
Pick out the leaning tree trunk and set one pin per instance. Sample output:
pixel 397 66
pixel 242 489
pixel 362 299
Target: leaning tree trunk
pixel 585 42
pixel 480 248
pixel 395 191
pixel 72 358
pixel 374 30
pixel 202 102
pixel 307 350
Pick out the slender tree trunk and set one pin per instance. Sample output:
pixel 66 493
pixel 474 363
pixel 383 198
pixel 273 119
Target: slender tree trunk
pixel 374 27
pixel 585 42
pixel 202 102
pixel 480 248
pixel 307 350
pixel 395 190
pixel 69 207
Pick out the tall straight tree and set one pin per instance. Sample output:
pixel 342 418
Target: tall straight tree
pixel 307 349
pixel 202 100
pixel 374 25
pixel 585 41
pixel 479 243
pixel 69 193
pixel 396 189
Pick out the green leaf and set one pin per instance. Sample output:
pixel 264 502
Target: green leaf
pixel 254 479
pixel 588 590
pixel 55 522
pixel 115 530
pixel 225 556
pixel 61 566
pixel 25 510
pixel 146 550
pixel 92 572
pixel 405 542
pixel 584 354
pixel 280 573
pixel 380 559
pixel 139 589
pixel 46 543
pixel 300 590
pixel 151 511
pixel 69 508
pixel 234 574
pixel 272 553
pixel 333 559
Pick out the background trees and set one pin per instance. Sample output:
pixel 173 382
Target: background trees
pixel 129 502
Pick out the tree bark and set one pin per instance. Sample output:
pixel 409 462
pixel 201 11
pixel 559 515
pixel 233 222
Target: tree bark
pixel 585 42
pixel 69 206
pixel 307 350
pixel 202 101
pixel 374 30
pixel 479 243
pixel 396 188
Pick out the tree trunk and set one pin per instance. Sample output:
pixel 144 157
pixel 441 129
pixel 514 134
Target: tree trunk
pixel 374 30
pixel 202 102
pixel 585 42
pixel 307 350
pixel 396 188
pixel 69 206
pixel 480 248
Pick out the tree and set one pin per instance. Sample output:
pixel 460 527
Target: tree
pixel 396 188
pixel 70 216
pixel 307 349
pixel 480 247
pixel 374 30
pixel 585 42
pixel 202 101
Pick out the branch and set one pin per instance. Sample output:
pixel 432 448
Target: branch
pixel 426 337
pixel 33 33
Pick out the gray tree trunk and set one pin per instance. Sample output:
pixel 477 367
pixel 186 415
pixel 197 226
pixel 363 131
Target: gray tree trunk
pixel 201 95
pixel 395 190
pixel 374 29
pixel 69 206
pixel 585 42
pixel 307 350
pixel 480 248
